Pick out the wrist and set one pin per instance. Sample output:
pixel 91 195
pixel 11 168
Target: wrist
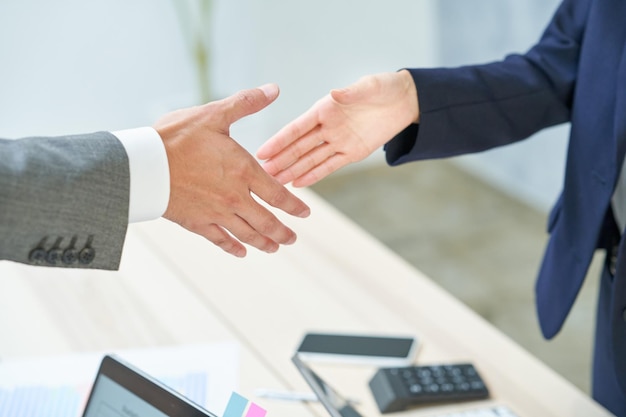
pixel 410 95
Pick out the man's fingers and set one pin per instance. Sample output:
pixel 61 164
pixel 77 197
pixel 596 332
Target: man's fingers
pixel 253 224
pixel 268 189
pixel 258 227
pixel 247 102
pixel 271 91
pixel 221 238
pixel 262 234
pixel 276 195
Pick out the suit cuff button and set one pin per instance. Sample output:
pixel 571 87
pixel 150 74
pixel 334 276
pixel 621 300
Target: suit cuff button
pixel 70 256
pixel 86 255
pixel 54 255
pixel 37 255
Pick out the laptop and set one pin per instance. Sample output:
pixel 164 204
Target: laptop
pixel 120 389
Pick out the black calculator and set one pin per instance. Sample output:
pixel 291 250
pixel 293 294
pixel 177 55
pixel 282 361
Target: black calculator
pixel 397 389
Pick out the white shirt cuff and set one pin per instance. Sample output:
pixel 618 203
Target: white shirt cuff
pixel 149 173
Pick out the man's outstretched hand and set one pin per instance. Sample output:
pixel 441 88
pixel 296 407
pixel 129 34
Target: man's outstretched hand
pixel 212 178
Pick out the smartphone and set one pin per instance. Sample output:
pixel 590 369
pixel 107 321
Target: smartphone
pixel 366 349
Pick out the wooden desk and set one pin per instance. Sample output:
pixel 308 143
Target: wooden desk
pixel 176 288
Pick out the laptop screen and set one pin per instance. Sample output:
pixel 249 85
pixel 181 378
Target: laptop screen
pixel 120 390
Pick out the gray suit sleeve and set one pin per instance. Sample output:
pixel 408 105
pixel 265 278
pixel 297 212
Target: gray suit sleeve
pixel 64 200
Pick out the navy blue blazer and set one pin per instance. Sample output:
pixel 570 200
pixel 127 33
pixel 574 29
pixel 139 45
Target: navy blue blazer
pixel 576 73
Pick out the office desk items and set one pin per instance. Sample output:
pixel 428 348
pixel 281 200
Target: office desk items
pixel 367 349
pixel 121 389
pixel 175 288
pixel 284 395
pixel 497 411
pixel 334 402
pixel 58 385
pixel 238 404
pixel 338 406
pixel 396 389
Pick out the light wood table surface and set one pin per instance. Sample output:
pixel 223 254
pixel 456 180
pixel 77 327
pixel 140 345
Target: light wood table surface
pixel 174 287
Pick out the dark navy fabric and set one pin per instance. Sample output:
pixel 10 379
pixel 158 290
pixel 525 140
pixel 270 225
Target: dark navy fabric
pixel 575 73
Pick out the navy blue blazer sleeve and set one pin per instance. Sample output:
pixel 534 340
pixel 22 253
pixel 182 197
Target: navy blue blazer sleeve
pixel 475 108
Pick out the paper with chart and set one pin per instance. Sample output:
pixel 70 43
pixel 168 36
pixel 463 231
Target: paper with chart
pixel 58 386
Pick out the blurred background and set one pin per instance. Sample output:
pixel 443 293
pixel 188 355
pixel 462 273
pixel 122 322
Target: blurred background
pixel 475 224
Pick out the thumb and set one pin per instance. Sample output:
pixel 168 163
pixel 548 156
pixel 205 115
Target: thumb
pixel 343 95
pixel 360 91
pixel 350 94
pixel 247 102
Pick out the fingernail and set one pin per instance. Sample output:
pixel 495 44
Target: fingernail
pixel 270 90
pixel 272 249
pixel 304 213
pixel 291 240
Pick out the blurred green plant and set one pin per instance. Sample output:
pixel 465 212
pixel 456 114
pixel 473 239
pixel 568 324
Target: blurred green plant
pixel 195 18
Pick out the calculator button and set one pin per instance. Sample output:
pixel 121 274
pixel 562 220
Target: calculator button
pixel 415 388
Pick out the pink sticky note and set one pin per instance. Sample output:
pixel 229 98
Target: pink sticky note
pixel 255 411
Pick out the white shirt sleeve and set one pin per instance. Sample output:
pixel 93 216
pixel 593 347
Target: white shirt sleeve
pixel 149 173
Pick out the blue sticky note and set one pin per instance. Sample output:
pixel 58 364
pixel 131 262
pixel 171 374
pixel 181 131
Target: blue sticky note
pixel 236 405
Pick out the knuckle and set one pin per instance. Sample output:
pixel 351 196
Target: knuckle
pixel 243 168
pixel 231 200
pixel 246 98
pixel 229 247
pixel 278 198
pixel 222 242
pixel 252 238
pixel 267 226
pixel 218 237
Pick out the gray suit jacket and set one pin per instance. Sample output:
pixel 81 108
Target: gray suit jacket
pixel 64 200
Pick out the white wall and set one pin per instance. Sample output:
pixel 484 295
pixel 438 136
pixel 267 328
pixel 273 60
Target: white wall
pixel 70 66
pixel 310 47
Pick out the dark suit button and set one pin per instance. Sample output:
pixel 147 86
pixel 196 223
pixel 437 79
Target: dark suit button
pixel 86 255
pixel 70 256
pixel 38 255
pixel 54 255
pixel 624 314
pixel 55 252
